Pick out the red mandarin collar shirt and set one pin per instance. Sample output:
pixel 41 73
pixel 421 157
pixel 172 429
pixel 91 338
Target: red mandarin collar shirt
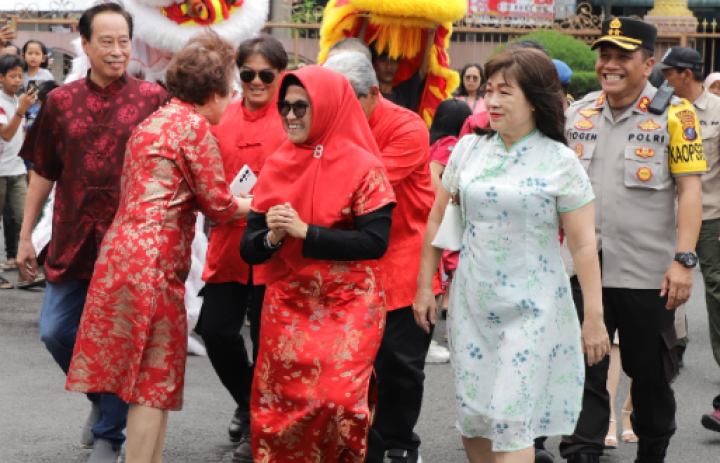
pixel 78 141
pixel 245 137
pixel 404 144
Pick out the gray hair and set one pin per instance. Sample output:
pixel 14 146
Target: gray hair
pixel 352 44
pixel 356 69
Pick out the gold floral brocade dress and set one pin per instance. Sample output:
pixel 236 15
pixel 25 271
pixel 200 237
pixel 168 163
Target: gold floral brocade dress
pixel 132 339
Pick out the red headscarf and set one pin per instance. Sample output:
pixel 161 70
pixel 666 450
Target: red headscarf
pixel 318 176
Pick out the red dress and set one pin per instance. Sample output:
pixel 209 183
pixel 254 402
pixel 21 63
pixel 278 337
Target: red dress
pixel 322 321
pixel 132 340
pixel 244 137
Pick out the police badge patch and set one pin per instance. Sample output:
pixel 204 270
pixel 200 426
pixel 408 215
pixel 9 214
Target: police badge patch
pixel 687 119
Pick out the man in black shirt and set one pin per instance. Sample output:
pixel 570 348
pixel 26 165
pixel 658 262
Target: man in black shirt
pixel 409 92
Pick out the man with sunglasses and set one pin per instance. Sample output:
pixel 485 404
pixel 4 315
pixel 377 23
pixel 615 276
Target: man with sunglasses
pixel 682 67
pixel 404 143
pixel 409 92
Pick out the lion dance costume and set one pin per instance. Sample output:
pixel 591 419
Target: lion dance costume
pixel 400 27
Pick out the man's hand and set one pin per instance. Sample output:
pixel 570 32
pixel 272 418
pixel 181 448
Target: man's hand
pixel 595 340
pixel 6 35
pixel 27 260
pixel 26 100
pixel 677 284
pixel 425 308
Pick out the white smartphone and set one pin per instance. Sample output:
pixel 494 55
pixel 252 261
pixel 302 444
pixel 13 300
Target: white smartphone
pixel 244 181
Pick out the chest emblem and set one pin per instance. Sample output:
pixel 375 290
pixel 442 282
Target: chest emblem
pixel 586 113
pixel 687 119
pixel 645 152
pixel 584 125
pixel 579 149
pixel 644 174
pixel 601 100
pixel 649 126
pixel 643 104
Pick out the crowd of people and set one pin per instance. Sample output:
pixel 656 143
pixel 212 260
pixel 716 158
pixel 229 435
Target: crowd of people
pixel 25 82
pixel 338 256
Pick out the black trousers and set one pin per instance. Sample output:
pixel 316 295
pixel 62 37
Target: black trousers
pixel 399 367
pixel 647 337
pixel 221 319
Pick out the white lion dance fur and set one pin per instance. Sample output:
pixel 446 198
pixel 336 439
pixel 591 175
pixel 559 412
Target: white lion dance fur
pixel 156 38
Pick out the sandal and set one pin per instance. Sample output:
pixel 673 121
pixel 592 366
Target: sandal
pixel 611 440
pixel 628 436
pixel 4 284
pixel 9 266
pixel 38 281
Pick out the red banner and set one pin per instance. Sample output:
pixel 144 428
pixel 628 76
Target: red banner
pixel 535 9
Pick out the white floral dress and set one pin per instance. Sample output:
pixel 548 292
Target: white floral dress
pixel 513 330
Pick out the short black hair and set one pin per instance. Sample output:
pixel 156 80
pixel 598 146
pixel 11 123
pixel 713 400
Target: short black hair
pixel 9 62
pixel 450 116
pixel 266 45
pixel 529 43
pixel 29 42
pixel 45 88
pixel 85 25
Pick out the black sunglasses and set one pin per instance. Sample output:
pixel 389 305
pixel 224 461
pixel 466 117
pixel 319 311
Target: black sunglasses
pixel 266 76
pixel 299 108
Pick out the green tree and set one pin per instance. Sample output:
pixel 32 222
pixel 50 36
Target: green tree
pixel 574 52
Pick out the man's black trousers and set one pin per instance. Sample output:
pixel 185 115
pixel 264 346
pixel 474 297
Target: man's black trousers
pixel 647 336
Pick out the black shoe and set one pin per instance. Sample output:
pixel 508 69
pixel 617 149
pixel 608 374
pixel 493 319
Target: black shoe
pixel 543 456
pixel 239 425
pixel 403 456
pixel 243 452
pixel 583 458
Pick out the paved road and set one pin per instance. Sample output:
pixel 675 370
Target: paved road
pixel 41 422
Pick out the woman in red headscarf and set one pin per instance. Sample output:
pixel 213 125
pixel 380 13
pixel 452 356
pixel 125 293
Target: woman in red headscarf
pixel 321 219
pixel 250 131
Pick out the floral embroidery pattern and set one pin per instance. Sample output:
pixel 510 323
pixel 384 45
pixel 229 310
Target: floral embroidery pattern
pixel 513 330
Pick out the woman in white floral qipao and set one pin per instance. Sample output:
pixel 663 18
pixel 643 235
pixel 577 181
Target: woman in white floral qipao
pixel 515 340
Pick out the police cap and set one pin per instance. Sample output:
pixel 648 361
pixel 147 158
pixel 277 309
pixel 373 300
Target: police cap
pixel 628 34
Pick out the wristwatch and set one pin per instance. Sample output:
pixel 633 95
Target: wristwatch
pixel 268 243
pixel 687 259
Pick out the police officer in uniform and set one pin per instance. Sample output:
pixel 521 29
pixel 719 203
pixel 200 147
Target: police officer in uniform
pixel 682 67
pixel 637 161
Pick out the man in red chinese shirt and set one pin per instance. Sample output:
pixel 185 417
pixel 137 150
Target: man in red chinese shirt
pixel 404 144
pixel 77 144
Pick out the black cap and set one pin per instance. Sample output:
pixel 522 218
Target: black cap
pixel 628 33
pixel 682 57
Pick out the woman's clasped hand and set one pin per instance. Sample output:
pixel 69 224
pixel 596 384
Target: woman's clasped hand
pixel 283 219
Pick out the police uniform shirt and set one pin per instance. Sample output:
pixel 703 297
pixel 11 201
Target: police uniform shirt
pixel 707 107
pixel 632 162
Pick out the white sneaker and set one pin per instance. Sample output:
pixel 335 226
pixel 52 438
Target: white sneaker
pixel 437 353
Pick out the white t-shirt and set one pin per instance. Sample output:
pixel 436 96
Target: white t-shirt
pixel 10 163
pixel 42 75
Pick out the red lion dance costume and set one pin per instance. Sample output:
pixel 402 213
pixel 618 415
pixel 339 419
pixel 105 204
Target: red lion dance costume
pixel 400 27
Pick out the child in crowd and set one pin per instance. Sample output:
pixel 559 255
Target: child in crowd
pixel 35 54
pixel 444 131
pixel 13 178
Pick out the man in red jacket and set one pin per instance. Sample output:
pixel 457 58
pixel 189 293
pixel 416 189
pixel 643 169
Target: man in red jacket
pixel 404 142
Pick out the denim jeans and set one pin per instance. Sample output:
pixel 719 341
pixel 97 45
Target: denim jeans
pixel 59 322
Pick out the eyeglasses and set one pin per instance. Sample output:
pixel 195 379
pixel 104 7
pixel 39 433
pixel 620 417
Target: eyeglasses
pixel 299 108
pixel 266 76
pixel 233 93
pixel 472 78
